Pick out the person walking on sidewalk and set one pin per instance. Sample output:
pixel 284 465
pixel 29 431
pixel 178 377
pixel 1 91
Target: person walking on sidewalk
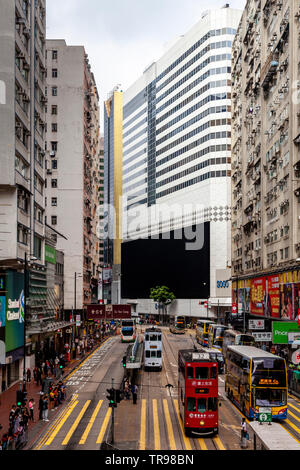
pixel 41 406
pixel 31 408
pixel 28 374
pixel 45 408
pixel 134 391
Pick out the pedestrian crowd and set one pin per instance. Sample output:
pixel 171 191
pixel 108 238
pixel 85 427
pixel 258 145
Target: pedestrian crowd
pixel 130 389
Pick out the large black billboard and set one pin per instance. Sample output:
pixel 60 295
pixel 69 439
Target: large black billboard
pixel 178 263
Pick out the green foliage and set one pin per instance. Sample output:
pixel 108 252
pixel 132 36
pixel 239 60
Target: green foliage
pixel 162 294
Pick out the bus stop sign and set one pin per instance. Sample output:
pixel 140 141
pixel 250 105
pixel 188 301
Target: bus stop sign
pixel 265 415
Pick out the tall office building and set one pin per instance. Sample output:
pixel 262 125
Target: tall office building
pixel 176 172
pixel 113 146
pixel 73 174
pixel 265 159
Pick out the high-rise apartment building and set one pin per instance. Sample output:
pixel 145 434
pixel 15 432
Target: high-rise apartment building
pixel 22 133
pixel 265 159
pixel 176 170
pixel 73 174
pixel 113 147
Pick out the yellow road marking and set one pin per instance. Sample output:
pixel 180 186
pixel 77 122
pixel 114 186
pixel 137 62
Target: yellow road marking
pixel 202 444
pixel 57 420
pixel 143 426
pixel 293 406
pixel 62 421
pixel 156 426
pixel 186 440
pixel 219 443
pixel 169 426
pixel 75 424
pixel 292 426
pixel 104 426
pixel 294 416
pixel 91 422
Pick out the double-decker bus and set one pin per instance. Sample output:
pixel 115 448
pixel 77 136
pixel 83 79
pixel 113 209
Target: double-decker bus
pixel 153 349
pixel 255 379
pixel 216 335
pixel 128 331
pixel 236 338
pixel 198 392
pixel 178 325
pixel 202 331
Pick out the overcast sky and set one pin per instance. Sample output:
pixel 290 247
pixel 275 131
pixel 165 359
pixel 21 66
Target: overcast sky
pixel 122 37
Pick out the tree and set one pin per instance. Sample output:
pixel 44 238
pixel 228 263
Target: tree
pixel 163 296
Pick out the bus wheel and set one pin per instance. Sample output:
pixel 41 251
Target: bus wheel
pixel 187 432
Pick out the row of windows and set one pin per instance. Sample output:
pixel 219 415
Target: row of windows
pixel 208 86
pixel 126 152
pixel 134 137
pixel 131 177
pixel 133 186
pixel 190 170
pixel 203 64
pixel 213 45
pixel 211 148
pixel 193 72
pixel 135 156
pixel 210 34
pixel 208 99
pixel 139 124
pixel 138 115
pixel 195 119
pixel 218 122
pixel 210 161
pixel 135 166
pixel 185 184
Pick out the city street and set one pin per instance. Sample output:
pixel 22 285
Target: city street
pixel 154 423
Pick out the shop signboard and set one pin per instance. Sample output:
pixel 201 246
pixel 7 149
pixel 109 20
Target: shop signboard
pixel 50 254
pixel 281 330
pixel 257 286
pixel 296 357
pixel 262 336
pixel 256 324
pixel 108 312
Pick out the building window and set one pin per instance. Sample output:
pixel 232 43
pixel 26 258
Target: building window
pixel 54 220
pixel 54 91
pixel 54 183
pixel 54 73
pixel 54 146
pixel 37 250
pixel 54 110
pixel 54 127
pixel 54 55
pixel 54 201
pixel 54 164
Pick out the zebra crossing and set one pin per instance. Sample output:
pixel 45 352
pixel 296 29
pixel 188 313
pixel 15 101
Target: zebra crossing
pixel 86 423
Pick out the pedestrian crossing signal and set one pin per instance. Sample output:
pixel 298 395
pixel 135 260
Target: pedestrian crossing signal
pixel 124 361
pixel 111 397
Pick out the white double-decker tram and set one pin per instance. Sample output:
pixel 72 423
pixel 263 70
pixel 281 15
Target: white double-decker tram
pixel 153 349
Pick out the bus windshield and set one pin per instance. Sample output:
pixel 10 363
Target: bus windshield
pixel 127 331
pixel 127 323
pixel 270 397
pixel 269 372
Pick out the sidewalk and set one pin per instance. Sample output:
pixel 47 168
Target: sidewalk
pixel 8 397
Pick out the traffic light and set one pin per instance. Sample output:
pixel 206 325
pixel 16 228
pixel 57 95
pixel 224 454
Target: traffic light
pixel 119 396
pixel 19 400
pixel 21 397
pixel 124 361
pixel 111 397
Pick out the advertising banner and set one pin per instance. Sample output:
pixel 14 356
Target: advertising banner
pixel 258 286
pixel 14 318
pixel 281 331
pixel 50 254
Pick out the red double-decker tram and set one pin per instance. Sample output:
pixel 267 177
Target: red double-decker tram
pixel 198 392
